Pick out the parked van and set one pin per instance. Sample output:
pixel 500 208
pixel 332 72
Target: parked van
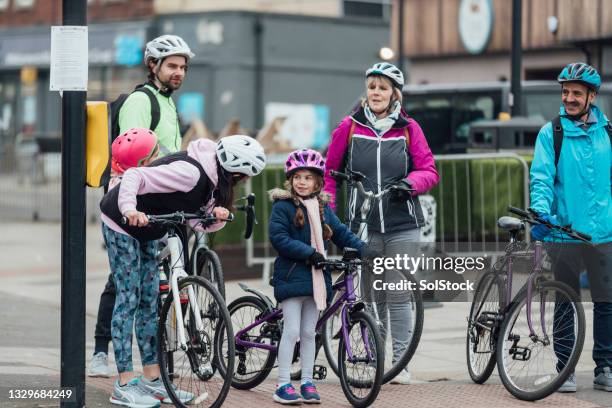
pixel 445 111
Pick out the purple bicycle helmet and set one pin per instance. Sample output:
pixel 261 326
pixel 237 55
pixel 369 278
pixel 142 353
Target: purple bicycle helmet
pixel 304 159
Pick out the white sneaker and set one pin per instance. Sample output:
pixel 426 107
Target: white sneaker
pixel 158 390
pixel 98 366
pixel 402 378
pixel 133 396
pixel 569 385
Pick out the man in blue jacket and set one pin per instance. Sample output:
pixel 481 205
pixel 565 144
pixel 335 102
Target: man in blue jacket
pixel 570 185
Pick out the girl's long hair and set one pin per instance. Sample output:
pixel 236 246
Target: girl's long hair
pixel 224 193
pixel 298 220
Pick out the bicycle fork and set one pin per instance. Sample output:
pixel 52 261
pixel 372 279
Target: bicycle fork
pixel 350 298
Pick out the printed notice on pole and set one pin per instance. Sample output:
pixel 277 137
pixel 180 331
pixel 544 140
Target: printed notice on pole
pixel 69 58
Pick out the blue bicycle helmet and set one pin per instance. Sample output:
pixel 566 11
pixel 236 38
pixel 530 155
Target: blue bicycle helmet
pixel 580 72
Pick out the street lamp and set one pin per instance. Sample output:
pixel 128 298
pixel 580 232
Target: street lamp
pixel 386 53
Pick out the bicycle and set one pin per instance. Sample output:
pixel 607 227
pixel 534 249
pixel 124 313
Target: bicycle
pixel 415 299
pixel 259 326
pixel 514 333
pixel 205 262
pixel 185 350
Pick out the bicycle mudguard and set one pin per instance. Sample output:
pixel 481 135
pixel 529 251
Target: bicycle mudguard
pixel 264 298
pixel 98 144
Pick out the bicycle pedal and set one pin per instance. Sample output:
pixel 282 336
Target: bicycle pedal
pixel 520 353
pixel 319 372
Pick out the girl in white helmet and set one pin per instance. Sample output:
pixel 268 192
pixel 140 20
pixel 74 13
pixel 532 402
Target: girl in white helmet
pixel 201 178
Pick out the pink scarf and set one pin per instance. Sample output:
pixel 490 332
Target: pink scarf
pixel 316 240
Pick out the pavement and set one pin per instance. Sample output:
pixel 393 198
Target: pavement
pixel 30 286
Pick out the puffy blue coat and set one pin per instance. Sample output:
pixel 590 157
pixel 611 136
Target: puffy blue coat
pixel 581 195
pixel 292 276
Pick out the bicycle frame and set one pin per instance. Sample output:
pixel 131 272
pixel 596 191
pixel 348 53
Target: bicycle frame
pixel 174 249
pixel 201 242
pixel 347 301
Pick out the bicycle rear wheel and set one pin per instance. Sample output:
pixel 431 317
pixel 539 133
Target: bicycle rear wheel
pixel 534 365
pixel 483 327
pixel 209 267
pixel 361 376
pixel 253 364
pixel 192 380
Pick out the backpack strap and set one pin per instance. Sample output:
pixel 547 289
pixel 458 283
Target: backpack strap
pixel 557 137
pixel 155 110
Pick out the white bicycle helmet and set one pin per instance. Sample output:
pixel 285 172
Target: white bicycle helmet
pixel 388 70
pixel 241 154
pixel 165 46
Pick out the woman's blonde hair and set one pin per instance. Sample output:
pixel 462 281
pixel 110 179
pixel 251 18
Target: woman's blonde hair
pixel 396 95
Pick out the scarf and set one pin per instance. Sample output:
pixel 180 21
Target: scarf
pixel 319 291
pixel 383 124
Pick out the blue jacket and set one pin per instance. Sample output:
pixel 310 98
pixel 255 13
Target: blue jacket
pixel 581 194
pixel 292 276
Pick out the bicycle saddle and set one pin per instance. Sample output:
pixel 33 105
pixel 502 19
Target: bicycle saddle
pixel 510 224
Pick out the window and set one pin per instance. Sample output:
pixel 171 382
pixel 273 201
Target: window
pixel 378 9
pixel 19 4
pixel 4 4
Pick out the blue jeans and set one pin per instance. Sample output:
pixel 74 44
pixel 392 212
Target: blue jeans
pixel 567 263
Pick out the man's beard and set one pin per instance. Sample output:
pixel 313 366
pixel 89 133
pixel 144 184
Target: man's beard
pixel 169 85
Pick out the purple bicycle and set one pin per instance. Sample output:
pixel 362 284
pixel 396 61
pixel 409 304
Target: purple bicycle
pixel 257 324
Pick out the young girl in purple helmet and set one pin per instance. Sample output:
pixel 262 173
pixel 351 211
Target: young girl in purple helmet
pixel 301 224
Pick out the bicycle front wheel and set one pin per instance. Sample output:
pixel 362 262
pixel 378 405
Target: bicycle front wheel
pixel 398 350
pixel 209 267
pixel 361 372
pixel 483 327
pixel 534 365
pixel 191 379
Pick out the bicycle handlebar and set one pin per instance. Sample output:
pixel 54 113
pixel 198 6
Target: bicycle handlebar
pixel 356 177
pixel 531 217
pixel 180 217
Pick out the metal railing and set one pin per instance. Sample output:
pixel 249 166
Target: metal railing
pixel 466 205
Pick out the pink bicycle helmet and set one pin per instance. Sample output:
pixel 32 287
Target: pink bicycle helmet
pixel 133 147
pixel 304 159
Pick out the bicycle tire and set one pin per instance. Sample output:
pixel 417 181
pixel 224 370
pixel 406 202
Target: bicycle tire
pixel 209 267
pixel 483 327
pixel 348 381
pixel 332 325
pixel 509 328
pixel 241 354
pixel 200 346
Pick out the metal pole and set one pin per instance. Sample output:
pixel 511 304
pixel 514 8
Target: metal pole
pixel 258 28
pixel 517 56
pixel 73 228
pixel 400 38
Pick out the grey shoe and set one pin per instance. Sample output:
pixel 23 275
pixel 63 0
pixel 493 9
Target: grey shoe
pixel 133 396
pixel 402 378
pixel 98 367
pixel 604 380
pixel 158 390
pixel 569 385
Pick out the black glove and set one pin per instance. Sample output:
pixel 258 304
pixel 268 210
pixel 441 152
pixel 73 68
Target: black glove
pixel 316 259
pixel 401 191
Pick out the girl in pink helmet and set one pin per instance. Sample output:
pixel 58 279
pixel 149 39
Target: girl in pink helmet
pixel 136 147
pixel 301 224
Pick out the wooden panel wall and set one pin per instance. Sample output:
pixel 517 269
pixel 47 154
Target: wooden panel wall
pixel 578 19
pixel 432 28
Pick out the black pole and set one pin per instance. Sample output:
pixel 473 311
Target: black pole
pixel 517 56
pixel 400 36
pixel 73 228
pixel 258 85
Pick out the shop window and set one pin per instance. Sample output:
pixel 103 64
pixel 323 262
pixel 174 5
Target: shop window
pixel 377 9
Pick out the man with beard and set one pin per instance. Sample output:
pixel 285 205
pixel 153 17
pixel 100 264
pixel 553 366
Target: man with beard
pixel 570 185
pixel 166 58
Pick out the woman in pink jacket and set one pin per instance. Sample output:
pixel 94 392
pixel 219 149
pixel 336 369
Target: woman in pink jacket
pixel 379 140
